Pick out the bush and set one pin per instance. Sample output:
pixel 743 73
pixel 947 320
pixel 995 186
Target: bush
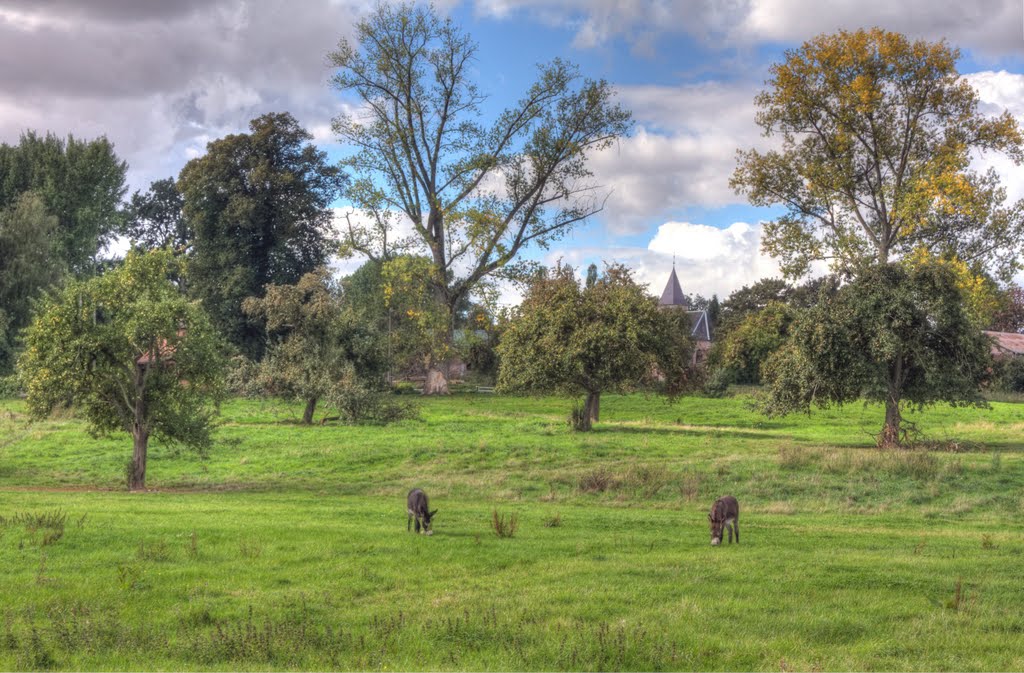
pixel 358 403
pixel 1008 375
pixel 10 386
pixel 717 384
pixel 241 377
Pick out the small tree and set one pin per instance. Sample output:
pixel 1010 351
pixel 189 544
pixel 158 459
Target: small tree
pixel 132 353
pixel 899 335
pixel 607 337
pixel 315 346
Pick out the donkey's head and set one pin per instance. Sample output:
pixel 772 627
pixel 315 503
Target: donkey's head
pixel 427 522
pixel 716 530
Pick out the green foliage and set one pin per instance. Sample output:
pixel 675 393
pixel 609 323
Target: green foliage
pixel 1009 312
pixel 315 344
pixel 877 136
pixel 359 403
pixel 154 219
pixel 80 182
pixel 129 352
pixel 425 152
pixel 607 337
pixel 897 335
pixel 743 349
pixel 29 263
pixel 258 205
pixel 1008 374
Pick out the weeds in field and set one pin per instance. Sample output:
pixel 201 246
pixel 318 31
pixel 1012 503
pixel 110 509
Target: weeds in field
pixel 193 546
pixel 554 522
pixel 689 486
pixel 597 481
pixel 250 548
pixel 987 542
pixel 154 551
pixel 503 527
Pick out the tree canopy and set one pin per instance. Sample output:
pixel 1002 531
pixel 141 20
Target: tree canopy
pixel 315 343
pixel 608 336
pixel 81 183
pixel 898 334
pixel 258 204
pixel 154 218
pixel 131 353
pixel 476 191
pixel 29 263
pixel 877 134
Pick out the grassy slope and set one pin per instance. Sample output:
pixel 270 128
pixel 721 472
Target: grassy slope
pixel 286 547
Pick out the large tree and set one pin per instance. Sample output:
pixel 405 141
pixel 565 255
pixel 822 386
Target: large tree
pixel 258 206
pixel 476 191
pixel 899 334
pixel 609 336
pixel 131 353
pixel 81 182
pixel 877 134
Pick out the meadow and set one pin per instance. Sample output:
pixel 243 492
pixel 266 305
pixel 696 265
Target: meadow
pixel 285 547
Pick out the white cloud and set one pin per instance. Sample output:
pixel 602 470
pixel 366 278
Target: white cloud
pixel 708 260
pixel 681 154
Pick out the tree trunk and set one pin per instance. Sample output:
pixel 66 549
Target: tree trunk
pixel 436 383
pixel 593 406
pixel 890 435
pixel 137 471
pixel 580 420
pixel 307 415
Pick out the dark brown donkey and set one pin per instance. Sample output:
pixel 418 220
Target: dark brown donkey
pixel 725 513
pixel 419 509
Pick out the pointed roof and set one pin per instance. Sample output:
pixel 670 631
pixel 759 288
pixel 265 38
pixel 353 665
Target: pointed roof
pixel 673 294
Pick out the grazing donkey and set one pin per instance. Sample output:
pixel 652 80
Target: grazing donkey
pixel 419 509
pixel 725 513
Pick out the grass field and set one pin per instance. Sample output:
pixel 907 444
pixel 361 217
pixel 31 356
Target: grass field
pixel 286 548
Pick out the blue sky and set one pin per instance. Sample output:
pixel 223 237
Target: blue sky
pixel 161 79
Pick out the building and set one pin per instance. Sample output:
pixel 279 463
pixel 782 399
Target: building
pixel 1006 345
pixel 701 329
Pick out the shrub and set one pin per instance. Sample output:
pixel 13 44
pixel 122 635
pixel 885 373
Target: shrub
pixel 504 527
pixel 358 403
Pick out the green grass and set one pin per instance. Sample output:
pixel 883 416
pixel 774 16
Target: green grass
pixel 286 548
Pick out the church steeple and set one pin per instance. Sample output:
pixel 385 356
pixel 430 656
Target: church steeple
pixel 673 293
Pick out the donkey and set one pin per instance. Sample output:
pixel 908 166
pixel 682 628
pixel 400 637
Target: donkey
pixel 725 513
pixel 419 509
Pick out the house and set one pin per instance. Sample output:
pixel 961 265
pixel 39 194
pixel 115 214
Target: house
pixel 701 329
pixel 1006 345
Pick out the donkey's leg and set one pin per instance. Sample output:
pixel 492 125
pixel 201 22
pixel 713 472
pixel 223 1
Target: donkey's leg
pixel 408 523
pixel 736 525
pixel 729 525
pixel 417 518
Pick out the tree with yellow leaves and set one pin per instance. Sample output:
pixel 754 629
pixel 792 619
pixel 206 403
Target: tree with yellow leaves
pixel 877 135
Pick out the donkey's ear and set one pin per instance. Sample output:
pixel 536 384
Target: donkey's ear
pixel 433 513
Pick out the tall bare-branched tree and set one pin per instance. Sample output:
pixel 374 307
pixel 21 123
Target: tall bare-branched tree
pixel 477 192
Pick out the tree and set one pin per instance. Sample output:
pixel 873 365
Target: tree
pixel 80 182
pixel 607 337
pixel 1009 316
pixel 476 192
pixel 129 351
pixel 29 264
pixel 154 219
pixel 258 206
pixel 315 345
pixel 899 334
pixel 747 345
pixel 877 133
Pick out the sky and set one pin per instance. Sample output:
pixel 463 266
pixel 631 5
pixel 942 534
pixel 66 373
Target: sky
pixel 162 78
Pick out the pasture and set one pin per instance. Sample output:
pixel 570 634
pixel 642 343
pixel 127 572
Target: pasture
pixel 286 547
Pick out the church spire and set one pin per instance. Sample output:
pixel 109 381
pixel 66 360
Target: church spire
pixel 673 293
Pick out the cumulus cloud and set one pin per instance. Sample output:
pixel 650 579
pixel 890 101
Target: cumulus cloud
pixel 988 26
pixel 161 78
pixel 709 260
pixel 682 152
